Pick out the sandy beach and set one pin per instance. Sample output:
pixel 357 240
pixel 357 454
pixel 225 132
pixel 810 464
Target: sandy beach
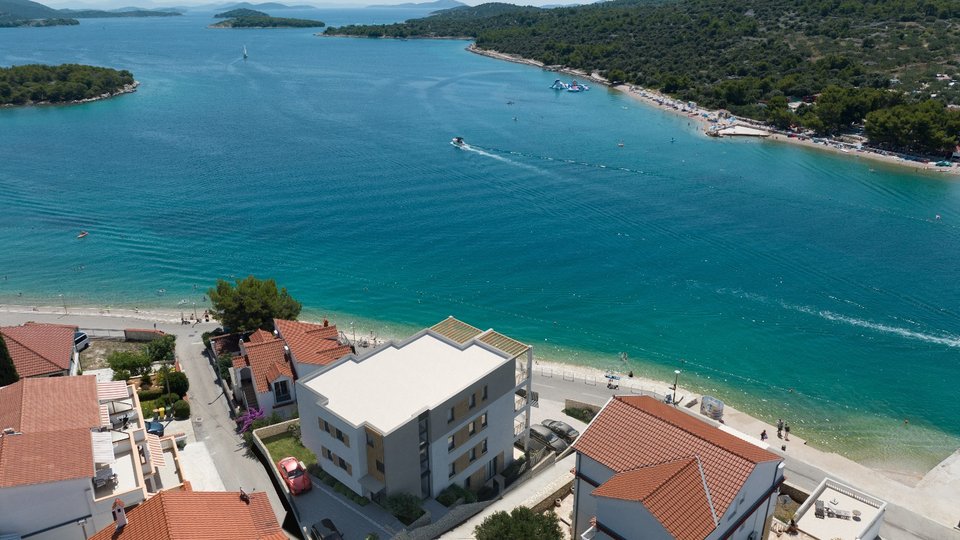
pixel 702 116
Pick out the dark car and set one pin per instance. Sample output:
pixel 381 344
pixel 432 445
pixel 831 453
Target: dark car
pixel 325 530
pixel 155 428
pixel 562 429
pixel 542 434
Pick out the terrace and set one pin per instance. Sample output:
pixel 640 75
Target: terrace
pixel 836 511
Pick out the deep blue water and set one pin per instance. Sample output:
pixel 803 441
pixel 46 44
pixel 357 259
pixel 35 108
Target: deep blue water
pixel 789 282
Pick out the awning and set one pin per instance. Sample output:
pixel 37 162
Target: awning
pixel 105 416
pixel 112 390
pixel 102 447
pixel 156 450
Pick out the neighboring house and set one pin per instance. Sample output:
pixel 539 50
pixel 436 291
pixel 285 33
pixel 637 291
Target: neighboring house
pixel 42 350
pixel 415 416
pixel 312 347
pixel 265 365
pixel 263 376
pixel 198 515
pixel 648 470
pixel 71 447
pixel 835 510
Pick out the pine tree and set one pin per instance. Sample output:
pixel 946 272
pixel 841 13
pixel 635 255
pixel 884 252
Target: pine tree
pixel 8 371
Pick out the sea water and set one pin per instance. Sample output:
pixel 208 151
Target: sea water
pixel 788 282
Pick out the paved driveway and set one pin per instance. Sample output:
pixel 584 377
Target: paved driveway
pixel 354 521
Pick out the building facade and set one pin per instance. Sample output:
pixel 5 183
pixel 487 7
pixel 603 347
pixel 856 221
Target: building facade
pixel 438 408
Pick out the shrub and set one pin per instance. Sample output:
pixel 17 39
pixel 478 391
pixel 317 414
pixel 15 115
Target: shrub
pixel 224 363
pixel 169 399
pixel 584 415
pixel 404 506
pixel 486 493
pixel 121 374
pixel 146 381
pixel 177 383
pixel 132 362
pixel 372 536
pixel 453 492
pixel 513 469
pixel 150 395
pixel 181 410
pixel 520 524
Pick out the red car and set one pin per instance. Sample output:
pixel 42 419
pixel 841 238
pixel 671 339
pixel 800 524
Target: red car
pixel 294 473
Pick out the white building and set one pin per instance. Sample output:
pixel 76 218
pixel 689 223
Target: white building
pixel 836 511
pixel 438 408
pixel 648 470
pixel 71 447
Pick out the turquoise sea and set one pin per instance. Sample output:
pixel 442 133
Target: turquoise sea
pixel 791 283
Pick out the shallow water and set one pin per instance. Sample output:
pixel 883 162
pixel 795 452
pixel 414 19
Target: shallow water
pixel 789 282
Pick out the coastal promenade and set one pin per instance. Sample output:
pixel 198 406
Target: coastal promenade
pixel 926 511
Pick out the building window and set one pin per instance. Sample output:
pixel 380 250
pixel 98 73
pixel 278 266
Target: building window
pixel 453 470
pixel 466 483
pixel 473 454
pixel 484 393
pixel 369 440
pixel 450 443
pixel 326 453
pixel 483 447
pixel 281 392
pixel 380 467
pixel 341 463
pixel 472 428
pixel 321 424
pixel 483 420
pixel 450 415
pixel 473 400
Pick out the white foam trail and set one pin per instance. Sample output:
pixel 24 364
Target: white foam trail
pixel 948 340
pixel 469 148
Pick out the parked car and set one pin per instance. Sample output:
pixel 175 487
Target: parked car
pixel 325 530
pixel 294 474
pixel 155 428
pixel 547 437
pixel 80 341
pixel 562 429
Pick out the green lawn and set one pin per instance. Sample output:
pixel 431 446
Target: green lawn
pixel 284 444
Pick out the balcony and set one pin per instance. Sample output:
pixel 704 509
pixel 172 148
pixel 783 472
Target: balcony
pixel 121 477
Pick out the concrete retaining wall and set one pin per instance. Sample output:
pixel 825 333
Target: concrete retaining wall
pixel 451 519
pixel 548 502
pixel 269 431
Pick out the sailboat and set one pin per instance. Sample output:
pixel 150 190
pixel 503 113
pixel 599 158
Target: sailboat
pixel 244 52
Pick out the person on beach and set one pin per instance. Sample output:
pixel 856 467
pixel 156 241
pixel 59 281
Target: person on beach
pixel 763 435
pixel 780 428
pixel 786 432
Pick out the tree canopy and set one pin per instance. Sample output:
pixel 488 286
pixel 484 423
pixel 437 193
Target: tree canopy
pixel 251 303
pixel 845 59
pixel 520 524
pixel 161 349
pixel 8 371
pixel 35 83
pixel 265 21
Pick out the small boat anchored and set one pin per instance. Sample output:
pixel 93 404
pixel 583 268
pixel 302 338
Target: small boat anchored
pixel 244 52
pixel 458 142
pixel 83 234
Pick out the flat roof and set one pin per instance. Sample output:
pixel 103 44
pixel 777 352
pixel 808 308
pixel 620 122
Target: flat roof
pixel 397 382
pixel 836 496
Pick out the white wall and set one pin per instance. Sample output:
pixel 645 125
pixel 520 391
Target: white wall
pixel 760 480
pixel 27 509
pixel 629 520
pixel 315 439
pixel 585 502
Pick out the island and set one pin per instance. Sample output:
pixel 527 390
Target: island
pixel 17 13
pixel 240 12
pixel 880 74
pixel 262 20
pixel 36 84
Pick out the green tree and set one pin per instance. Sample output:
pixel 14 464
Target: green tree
pixel 8 371
pixel 251 304
pixel 162 349
pixel 129 363
pixel 177 383
pixel 520 524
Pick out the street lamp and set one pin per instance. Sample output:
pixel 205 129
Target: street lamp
pixel 195 312
pixel 62 297
pixel 676 381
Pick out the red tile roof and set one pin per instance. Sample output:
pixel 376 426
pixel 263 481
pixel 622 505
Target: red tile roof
pixel 260 336
pixel 39 349
pixel 638 431
pixel 53 418
pixel 50 456
pixel 198 515
pixel 312 343
pixel 673 492
pixel 226 343
pixel 266 358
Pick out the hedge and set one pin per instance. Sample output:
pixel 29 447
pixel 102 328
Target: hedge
pixel 181 410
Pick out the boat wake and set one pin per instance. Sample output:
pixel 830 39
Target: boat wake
pixel 476 150
pixel 563 160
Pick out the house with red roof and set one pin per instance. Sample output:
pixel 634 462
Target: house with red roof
pixel 42 350
pixel 70 448
pixel 649 470
pixel 197 515
pixel 266 364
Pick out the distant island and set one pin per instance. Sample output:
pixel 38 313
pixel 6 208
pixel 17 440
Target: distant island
pixel 36 84
pixel 240 12
pixel 883 73
pixel 249 18
pixel 247 5
pixel 17 13
pixel 435 5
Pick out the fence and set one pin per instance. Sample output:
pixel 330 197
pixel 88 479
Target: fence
pixel 623 385
pixel 268 431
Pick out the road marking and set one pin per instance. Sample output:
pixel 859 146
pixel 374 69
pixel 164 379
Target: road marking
pixel 336 497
